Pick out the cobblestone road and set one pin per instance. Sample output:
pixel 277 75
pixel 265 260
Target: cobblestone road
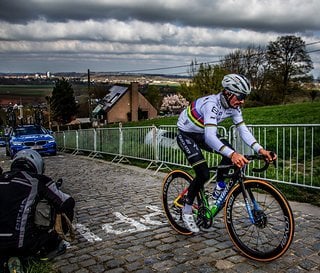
pixel 121 228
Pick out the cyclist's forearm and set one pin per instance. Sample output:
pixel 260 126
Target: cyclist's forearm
pixel 248 138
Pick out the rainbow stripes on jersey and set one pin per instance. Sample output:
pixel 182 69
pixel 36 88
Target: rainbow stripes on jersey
pixel 194 115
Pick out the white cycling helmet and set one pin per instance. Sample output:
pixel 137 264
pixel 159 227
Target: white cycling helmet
pixel 236 84
pixel 28 160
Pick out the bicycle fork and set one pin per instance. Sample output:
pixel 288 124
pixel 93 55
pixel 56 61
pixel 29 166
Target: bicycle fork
pixel 247 197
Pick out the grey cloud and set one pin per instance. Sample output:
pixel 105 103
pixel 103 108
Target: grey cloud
pixel 289 16
pixel 134 32
pixel 159 32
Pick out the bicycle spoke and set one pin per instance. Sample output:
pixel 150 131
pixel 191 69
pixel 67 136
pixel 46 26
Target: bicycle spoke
pixel 174 190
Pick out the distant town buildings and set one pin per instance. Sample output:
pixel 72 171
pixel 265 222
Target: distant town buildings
pixel 99 77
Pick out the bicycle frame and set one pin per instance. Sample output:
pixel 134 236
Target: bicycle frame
pixel 236 178
pixel 212 211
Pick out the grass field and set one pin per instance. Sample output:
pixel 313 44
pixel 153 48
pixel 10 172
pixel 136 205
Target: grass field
pixel 24 94
pixel 300 113
pixel 26 90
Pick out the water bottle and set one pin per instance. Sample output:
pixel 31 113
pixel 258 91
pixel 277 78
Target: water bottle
pixel 217 190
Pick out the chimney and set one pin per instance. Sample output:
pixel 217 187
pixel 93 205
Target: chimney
pixel 134 101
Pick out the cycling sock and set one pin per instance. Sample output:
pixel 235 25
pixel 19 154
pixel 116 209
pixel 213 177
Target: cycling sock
pixel 187 209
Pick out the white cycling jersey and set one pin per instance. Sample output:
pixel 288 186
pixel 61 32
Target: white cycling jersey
pixel 203 116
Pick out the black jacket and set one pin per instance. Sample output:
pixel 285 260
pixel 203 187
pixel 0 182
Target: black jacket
pixel 19 194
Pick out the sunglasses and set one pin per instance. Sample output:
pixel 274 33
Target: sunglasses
pixel 241 97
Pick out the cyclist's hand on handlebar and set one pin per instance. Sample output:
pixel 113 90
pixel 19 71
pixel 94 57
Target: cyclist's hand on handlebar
pixel 269 155
pixel 238 159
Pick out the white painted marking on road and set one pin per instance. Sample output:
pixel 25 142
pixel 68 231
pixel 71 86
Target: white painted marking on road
pixel 144 223
pixel 147 218
pixel 87 234
pixel 137 226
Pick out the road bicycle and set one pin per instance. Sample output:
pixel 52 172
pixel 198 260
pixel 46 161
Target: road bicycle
pixel 257 216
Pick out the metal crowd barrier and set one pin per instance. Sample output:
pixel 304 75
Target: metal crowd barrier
pixel 297 146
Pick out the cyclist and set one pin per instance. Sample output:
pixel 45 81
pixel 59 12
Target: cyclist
pixel 197 128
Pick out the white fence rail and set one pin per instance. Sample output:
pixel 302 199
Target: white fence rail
pixel 297 146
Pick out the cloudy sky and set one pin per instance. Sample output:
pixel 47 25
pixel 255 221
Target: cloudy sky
pixel 154 36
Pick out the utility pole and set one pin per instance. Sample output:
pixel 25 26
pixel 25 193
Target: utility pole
pixel 89 94
pixel 48 98
pixel 20 108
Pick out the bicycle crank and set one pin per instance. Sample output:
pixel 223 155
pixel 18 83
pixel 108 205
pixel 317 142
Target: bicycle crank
pixel 204 219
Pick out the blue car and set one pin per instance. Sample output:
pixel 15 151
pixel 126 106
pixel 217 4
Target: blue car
pixel 2 142
pixel 31 137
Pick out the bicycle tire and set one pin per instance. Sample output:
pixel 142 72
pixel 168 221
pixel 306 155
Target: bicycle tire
pixel 273 233
pixel 175 183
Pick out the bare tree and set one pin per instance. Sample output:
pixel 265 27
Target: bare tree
pixel 256 66
pixel 288 59
pixel 207 80
pixel 233 62
pixel 250 62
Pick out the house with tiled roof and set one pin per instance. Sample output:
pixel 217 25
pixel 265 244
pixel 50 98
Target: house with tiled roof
pixel 123 104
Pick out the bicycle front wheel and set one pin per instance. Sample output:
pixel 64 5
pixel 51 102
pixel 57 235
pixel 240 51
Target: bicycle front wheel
pixel 269 232
pixel 174 191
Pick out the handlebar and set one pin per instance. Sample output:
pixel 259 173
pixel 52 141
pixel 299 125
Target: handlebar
pixel 261 157
pixel 250 158
pixel 258 157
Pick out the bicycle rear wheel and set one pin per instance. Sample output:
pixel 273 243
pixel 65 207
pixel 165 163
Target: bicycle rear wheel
pixel 174 190
pixel 272 233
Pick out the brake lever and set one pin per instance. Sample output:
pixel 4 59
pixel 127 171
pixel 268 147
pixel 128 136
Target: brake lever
pixel 274 162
